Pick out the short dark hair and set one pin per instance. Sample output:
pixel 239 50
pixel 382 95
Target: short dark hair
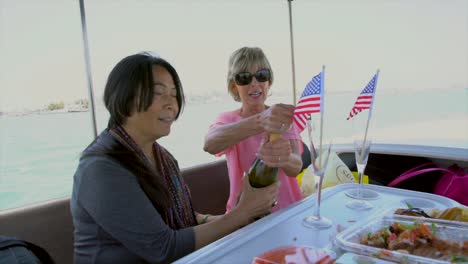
pixel 130 86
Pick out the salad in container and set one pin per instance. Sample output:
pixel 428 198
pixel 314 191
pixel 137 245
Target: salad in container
pixel 407 239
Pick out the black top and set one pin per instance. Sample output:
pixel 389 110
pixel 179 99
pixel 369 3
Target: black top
pixel 114 220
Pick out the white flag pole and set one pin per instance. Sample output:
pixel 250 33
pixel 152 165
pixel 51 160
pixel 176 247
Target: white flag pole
pixel 373 98
pixel 370 112
pixel 322 96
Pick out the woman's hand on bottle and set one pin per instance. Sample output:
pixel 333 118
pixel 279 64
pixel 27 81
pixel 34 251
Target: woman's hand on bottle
pixel 277 119
pixel 275 153
pixel 256 202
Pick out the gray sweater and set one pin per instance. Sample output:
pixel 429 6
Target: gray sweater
pixel 114 220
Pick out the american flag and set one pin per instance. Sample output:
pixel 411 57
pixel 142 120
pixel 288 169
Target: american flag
pixel 364 100
pixel 309 102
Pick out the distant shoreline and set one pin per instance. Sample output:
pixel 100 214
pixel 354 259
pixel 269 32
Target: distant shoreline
pixel 206 98
pixel 42 112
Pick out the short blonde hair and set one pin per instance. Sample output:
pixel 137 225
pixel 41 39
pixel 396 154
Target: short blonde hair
pixel 243 60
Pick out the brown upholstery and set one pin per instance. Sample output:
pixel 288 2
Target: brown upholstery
pixel 209 186
pixel 47 224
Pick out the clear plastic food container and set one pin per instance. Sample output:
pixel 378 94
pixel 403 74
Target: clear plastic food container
pixel 407 239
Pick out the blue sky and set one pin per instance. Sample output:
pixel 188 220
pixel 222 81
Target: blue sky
pixel 417 44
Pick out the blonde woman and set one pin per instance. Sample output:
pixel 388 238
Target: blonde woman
pixel 241 134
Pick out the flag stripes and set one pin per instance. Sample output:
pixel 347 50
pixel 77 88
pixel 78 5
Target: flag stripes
pixel 364 100
pixel 309 102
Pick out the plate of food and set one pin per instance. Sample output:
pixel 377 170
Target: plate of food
pixel 297 255
pixel 407 239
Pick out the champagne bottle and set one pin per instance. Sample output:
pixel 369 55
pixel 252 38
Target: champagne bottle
pixel 261 175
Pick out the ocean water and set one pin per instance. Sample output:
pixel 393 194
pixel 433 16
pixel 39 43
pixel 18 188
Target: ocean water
pixel 39 152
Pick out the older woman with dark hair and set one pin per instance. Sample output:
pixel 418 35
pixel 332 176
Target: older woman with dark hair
pixel 129 201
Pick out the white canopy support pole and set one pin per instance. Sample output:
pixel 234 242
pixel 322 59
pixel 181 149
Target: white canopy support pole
pixel 292 52
pixel 88 67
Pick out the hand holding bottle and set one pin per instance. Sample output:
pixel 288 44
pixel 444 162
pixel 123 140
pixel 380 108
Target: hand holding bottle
pixel 275 153
pixel 277 118
pixel 256 202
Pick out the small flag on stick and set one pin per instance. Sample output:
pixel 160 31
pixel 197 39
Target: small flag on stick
pixel 310 101
pixel 365 99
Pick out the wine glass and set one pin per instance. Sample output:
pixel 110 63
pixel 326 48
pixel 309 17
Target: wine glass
pixel 362 145
pixel 319 160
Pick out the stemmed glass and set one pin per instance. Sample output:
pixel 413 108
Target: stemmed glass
pixel 319 159
pixel 362 145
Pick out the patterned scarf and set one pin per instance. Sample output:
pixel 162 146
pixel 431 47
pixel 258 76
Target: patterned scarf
pixel 180 213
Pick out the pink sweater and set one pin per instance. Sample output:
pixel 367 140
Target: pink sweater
pixel 240 156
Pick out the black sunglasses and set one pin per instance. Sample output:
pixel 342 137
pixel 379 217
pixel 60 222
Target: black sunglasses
pixel 244 78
